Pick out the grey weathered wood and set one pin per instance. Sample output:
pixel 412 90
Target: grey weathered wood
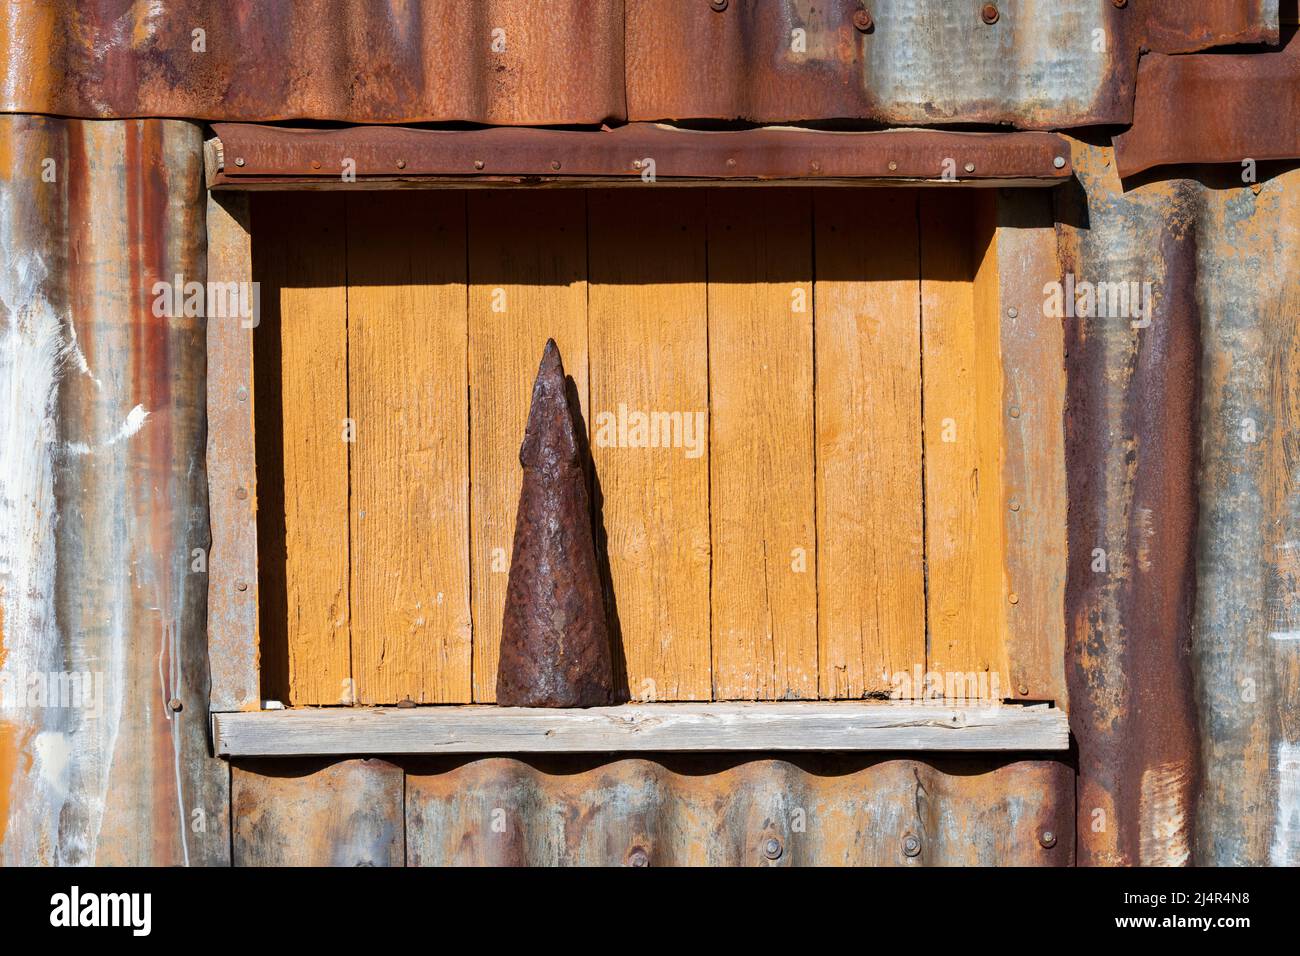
pixel 803 726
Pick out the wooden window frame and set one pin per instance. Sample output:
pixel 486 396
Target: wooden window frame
pixel 1035 561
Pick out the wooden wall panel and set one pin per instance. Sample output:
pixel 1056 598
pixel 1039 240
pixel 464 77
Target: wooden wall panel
pixel 301 387
pixel 649 355
pixel 764 589
pixel 310 812
pixel 527 283
pixel 410 461
pixel 870 548
pixel 964 498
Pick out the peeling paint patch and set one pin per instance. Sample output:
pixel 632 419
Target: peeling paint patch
pixel 135 420
pixel 1286 831
pixel 1162 816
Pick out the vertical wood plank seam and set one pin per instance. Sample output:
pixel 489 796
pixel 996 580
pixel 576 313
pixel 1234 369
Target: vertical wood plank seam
pixel 812 319
pixel 920 334
pixel 469 464
pixel 708 404
pixel 347 449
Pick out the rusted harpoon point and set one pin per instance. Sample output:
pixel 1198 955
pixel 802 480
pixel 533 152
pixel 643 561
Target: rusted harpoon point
pixel 554 640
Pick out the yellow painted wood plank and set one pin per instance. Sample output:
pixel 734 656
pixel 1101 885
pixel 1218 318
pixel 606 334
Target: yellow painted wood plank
pixel 870 547
pixel 764 585
pixel 527 283
pixel 301 386
pixel 410 460
pixel 649 398
pixel 963 456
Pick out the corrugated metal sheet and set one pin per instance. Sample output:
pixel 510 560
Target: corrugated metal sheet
pixel 1184 660
pixel 494 61
pixel 102 500
pixel 1041 65
pixel 673 810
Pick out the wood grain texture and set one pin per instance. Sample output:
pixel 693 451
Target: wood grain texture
pixel 301 379
pixel 316 813
pixel 719 726
pixel 233 639
pixel 963 470
pixel 410 463
pixel 764 588
pixel 1023 252
pixel 649 358
pixel 527 283
pixel 870 526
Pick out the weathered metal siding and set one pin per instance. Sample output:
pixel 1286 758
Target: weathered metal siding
pixel 1186 725
pixel 1183 662
pixel 714 809
pixel 103 498
pixel 494 61
pixel 1246 645
pixel 1041 64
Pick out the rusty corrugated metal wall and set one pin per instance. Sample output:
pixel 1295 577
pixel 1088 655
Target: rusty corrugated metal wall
pixel 1184 656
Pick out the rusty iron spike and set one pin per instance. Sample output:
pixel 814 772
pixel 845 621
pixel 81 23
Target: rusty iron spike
pixel 554 640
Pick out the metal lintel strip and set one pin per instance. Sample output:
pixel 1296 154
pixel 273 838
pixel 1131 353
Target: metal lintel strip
pixel 249 154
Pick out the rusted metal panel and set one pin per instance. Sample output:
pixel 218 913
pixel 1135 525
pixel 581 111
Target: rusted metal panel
pixel 1247 638
pixel 314 813
pixel 1131 438
pixel 1182 488
pixel 1214 109
pixel 639 153
pixel 1035 65
pixel 721 810
pixel 233 640
pixel 920 62
pixel 493 61
pixel 103 499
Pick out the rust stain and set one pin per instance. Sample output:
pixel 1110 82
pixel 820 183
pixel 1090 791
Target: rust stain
pixel 1132 440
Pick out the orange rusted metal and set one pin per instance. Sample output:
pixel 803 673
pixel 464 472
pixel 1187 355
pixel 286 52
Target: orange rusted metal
pixel 103 705
pixel 251 156
pixel 1217 108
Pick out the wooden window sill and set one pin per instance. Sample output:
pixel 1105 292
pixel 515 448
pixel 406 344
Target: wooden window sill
pixel 721 726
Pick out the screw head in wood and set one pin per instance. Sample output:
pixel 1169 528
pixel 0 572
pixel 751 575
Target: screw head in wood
pixel 1012 312
pixel 175 704
pixel 862 20
pixel 1059 162
pixel 1013 598
pixel 969 167
pixel 1014 411
pixel 315 164
pixel 555 164
pixel 239 160
pixel 478 164
pixel 637 856
pixel 989 13
pixel 241 493
pixel 401 164
pixel 241 586
pixel 911 845
pixel 1047 838
pixel 718 5
pixel 772 848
